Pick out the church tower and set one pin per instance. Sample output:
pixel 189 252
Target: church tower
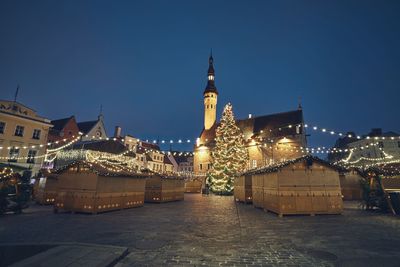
pixel 210 97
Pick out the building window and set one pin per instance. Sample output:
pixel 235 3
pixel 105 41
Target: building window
pixel 2 127
pixel 201 166
pixel 13 155
pixel 36 134
pixel 31 156
pixel 19 130
pixel 254 165
pixel 211 106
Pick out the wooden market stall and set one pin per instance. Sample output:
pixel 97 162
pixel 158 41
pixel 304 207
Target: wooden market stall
pixel 46 188
pixel 242 188
pixel 161 188
pixel 350 183
pixel 257 188
pixel 193 185
pixel 307 185
pixel 391 183
pixel 94 187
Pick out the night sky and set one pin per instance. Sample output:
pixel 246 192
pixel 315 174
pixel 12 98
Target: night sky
pixel 146 61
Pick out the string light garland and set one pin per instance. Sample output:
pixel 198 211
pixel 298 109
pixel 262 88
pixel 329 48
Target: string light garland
pixel 257 139
pixel 39 145
pixel 277 166
pixel 64 146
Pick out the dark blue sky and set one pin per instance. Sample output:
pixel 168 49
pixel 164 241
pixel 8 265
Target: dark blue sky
pixel 146 61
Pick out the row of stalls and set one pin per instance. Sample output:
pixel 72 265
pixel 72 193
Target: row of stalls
pixel 90 187
pixel 307 185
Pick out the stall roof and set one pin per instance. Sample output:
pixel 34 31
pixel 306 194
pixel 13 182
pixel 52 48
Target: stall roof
pixel 308 158
pixel 104 169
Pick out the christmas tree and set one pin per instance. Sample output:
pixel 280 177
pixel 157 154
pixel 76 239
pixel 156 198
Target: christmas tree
pixel 229 157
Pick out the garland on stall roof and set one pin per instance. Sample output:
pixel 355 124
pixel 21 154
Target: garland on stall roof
pixel 277 166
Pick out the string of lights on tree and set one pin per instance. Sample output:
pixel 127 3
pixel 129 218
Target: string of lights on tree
pixel 229 156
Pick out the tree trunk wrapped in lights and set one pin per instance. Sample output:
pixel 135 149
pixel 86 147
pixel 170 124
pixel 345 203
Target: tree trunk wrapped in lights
pixel 229 157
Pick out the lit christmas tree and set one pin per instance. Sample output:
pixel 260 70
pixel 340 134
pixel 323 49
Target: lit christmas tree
pixel 229 157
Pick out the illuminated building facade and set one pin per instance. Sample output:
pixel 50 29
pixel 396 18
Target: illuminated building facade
pixel 269 138
pixel 23 137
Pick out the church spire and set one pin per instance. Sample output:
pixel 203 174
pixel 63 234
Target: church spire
pixel 210 96
pixel 211 76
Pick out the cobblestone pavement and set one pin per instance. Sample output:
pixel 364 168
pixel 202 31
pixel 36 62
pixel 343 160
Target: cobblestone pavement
pixel 214 230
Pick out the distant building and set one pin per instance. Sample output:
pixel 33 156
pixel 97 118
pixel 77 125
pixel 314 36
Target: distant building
pixel 23 136
pixel 153 158
pixel 93 129
pixel 129 141
pixel 148 155
pixel 342 145
pixel 373 148
pixel 65 128
pixel 183 161
pixel 269 138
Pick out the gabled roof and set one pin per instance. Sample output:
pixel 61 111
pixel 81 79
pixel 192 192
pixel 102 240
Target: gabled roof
pixel 109 146
pixel 86 126
pixel 149 146
pixel 390 134
pixel 60 123
pixel 272 125
pixel 208 135
pixel 105 169
pixel 273 122
pixel 167 160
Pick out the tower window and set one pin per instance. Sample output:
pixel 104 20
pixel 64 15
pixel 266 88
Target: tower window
pixel 207 106
pixel 211 106
pixel 210 77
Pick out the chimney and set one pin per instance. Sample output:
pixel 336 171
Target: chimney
pixel 117 132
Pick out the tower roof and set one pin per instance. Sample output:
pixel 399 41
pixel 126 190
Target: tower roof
pixel 210 77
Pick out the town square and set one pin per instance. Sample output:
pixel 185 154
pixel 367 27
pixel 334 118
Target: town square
pixel 211 231
pixel 225 133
